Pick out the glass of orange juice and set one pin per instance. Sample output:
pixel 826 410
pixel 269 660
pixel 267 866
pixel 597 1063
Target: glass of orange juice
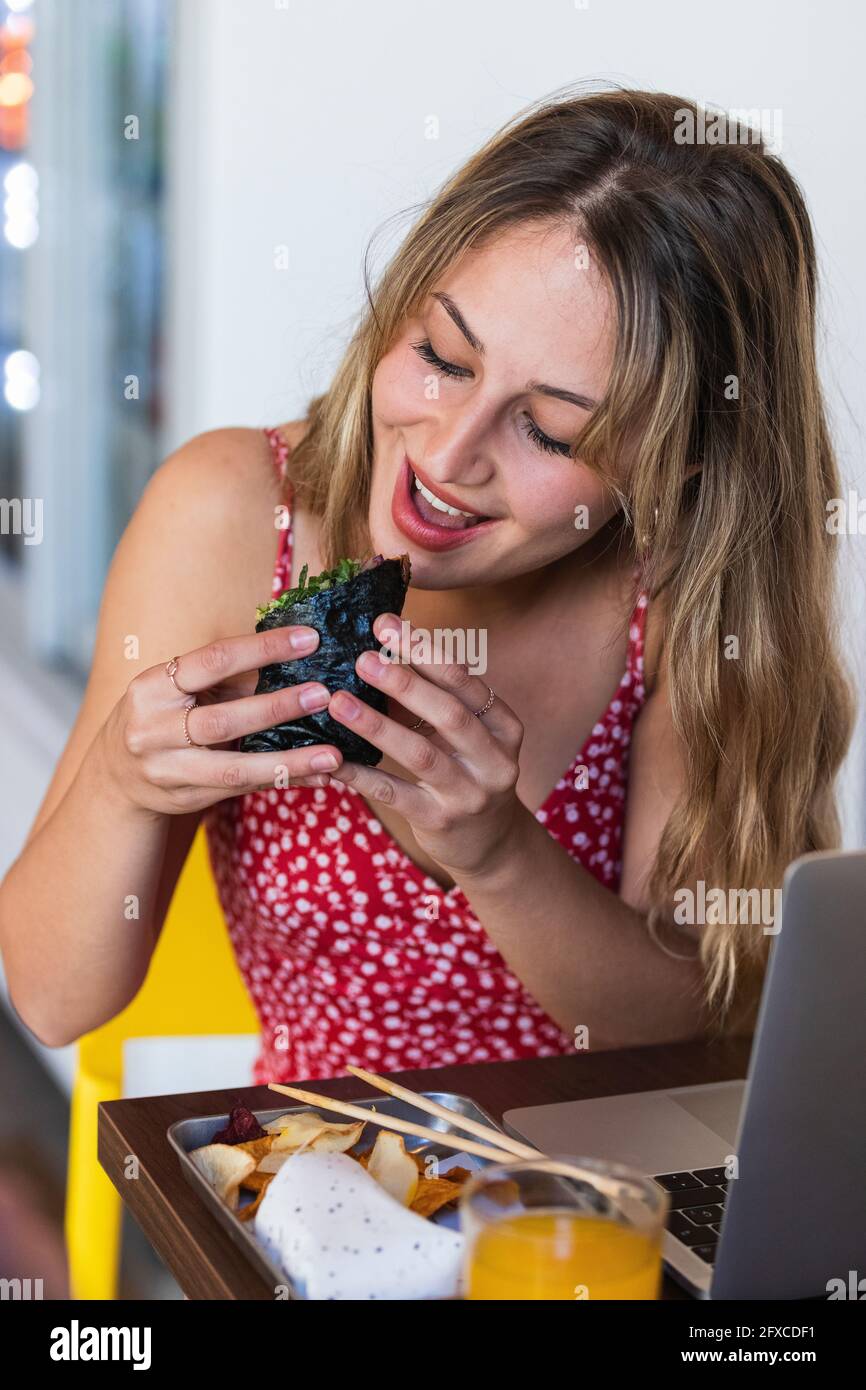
pixel 562 1228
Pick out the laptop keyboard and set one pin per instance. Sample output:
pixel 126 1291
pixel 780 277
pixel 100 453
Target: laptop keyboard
pixel 697 1203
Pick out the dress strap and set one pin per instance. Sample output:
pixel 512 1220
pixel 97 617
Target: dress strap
pixel 280 451
pixel 637 629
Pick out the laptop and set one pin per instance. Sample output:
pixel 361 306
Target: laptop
pixel 766 1176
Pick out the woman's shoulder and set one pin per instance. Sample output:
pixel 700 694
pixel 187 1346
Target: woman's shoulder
pixel 237 460
pixel 231 462
pixel 216 496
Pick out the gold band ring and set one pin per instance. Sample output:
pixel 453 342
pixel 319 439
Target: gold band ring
pixel 477 712
pixel 484 708
pixel 170 669
pixel 186 713
pixel 191 700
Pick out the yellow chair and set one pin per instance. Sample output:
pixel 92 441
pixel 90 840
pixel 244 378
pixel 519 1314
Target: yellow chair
pixel 193 987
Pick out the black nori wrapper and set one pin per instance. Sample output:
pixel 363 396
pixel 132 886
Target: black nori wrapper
pixel 343 617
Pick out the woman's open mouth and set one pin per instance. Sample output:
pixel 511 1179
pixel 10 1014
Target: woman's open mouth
pixel 429 520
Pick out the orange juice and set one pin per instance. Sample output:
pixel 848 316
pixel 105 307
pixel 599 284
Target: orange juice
pixel 562 1255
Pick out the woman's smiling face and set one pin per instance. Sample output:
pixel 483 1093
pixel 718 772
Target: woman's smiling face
pixel 516 320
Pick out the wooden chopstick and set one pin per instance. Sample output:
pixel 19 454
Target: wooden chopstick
pixel 393 1088
pixel 610 1186
pixel 355 1112
pixel 432 1107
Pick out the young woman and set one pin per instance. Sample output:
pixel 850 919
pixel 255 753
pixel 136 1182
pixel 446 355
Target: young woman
pixel 584 401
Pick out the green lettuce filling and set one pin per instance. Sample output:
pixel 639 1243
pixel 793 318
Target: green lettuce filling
pixel 307 587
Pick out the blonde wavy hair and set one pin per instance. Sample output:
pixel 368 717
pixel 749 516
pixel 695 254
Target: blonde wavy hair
pixel 712 434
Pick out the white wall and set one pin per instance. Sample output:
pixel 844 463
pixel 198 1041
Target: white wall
pixel 303 124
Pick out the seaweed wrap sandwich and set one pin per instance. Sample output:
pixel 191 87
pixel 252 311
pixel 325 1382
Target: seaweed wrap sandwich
pixel 341 604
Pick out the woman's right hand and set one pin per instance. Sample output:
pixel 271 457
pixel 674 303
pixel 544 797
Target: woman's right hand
pixel 142 748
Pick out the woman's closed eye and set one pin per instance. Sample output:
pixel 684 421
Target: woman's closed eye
pixel 426 350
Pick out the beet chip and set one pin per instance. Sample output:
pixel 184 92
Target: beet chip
pixel 241 1127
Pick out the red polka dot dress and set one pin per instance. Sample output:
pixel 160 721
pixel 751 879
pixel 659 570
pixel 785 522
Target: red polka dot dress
pixel 352 954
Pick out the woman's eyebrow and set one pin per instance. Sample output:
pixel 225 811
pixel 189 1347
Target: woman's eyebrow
pixel 454 313
pixel 557 392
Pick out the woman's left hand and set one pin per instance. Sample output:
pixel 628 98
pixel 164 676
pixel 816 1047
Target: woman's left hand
pixel 463 805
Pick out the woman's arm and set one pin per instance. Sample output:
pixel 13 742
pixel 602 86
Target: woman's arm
pixel 114 825
pixel 598 966
pixel 72 958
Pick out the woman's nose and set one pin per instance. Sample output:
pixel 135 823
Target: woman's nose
pixel 459 450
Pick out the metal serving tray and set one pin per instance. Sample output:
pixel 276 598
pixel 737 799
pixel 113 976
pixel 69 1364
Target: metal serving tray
pixel 185 1135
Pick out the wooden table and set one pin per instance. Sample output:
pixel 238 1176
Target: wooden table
pixel 200 1255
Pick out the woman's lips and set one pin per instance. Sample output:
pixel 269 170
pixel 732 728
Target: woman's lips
pixel 417 527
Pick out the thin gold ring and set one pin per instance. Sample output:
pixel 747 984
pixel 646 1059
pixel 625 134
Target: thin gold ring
pixel 477 712
pixel 170 669
pixel 484 708
pixel 191 706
